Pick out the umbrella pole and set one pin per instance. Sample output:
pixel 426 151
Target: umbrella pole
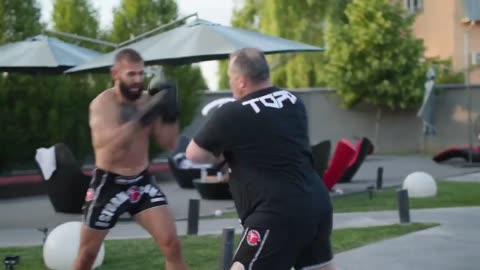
pixel 469 91
pixel 155 30
pixel 78 37
pixel 106 43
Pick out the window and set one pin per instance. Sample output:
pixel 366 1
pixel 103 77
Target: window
pixel 476 58
pixel 471 10
pixel 414 6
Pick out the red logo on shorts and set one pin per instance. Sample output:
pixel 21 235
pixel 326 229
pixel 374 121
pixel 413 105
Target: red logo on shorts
pixel 90 194
pixel 253 238
pixel 134 194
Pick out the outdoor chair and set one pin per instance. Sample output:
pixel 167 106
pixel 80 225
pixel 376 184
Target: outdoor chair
pixel 185 176
pixel 344 153
pixel 67 185
pixel 363 148
pixel 321 156
pixel 458 152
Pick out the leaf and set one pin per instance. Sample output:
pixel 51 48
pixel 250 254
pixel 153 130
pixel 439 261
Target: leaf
pixel 374 54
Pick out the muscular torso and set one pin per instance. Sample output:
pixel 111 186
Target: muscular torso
pixel 130 158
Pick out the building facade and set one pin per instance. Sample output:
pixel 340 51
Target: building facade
pixel 449 29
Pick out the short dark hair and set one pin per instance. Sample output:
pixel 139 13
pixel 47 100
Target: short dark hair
pixel 129 55
pixel 251 63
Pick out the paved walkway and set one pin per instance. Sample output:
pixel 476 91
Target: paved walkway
pixel 455 244
pixel 37 211
pixel 452 245
pixel 34 212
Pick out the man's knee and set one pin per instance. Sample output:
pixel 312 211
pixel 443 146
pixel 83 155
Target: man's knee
pixel 328 266
pixel 170 245
pixel 237 266
pixel 87 256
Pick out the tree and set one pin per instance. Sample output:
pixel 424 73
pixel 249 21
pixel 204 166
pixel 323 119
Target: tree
pixel 336 11
pixel 135 17
pixel 374 57
pixel 19 20
pixel 76 17
pixel 444 71
pixel 246 18
pixel 303 21
pixel 300 21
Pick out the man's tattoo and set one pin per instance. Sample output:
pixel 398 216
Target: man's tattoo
pixel 127 112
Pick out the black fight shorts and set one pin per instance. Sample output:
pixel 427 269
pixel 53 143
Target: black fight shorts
pixel 281 248
pixel 110 195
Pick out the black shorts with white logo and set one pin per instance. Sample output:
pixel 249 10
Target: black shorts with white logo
pixel 110 195
pixel 284 247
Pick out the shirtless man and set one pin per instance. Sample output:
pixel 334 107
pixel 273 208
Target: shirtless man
pixel 121 123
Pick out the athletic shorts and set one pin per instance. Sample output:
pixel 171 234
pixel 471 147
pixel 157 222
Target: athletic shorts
pixel 281 248
pixel 110 195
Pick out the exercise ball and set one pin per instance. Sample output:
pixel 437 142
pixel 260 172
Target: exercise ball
pixel 420 184
pixel 61 247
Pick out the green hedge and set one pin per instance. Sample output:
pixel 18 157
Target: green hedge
pixel 39 111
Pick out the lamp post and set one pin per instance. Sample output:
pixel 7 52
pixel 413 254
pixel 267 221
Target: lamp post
pixel 467 84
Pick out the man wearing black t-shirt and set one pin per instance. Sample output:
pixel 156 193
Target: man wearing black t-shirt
pixel 282 203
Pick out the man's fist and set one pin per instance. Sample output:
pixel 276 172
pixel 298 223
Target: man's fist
pixel 164 101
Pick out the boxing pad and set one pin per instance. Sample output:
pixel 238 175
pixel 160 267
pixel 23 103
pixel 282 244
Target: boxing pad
pixel 159 83
pixel 167 104
pixel 163 101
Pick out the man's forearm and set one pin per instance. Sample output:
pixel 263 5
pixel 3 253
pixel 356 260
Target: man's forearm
pixel 166 134
pixel 197 154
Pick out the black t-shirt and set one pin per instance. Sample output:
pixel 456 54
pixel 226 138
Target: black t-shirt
pixel 264 139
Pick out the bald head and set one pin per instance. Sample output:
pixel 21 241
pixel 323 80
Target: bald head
pixel 127 71
pixel 251 63
pixel 128 55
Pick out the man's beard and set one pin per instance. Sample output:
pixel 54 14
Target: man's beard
pixel 127 93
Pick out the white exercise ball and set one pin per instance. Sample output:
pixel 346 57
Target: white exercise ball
pixel 419 185
pixel 61 247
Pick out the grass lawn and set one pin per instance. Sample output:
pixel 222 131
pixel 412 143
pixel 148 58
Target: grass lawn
pixel 449 194
pixel 202 252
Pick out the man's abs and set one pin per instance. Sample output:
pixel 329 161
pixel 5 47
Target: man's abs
pixel 129 160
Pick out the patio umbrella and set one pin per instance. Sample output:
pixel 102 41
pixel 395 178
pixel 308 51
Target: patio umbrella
pixel 42 54
pixel 198 41
pixel 426 111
